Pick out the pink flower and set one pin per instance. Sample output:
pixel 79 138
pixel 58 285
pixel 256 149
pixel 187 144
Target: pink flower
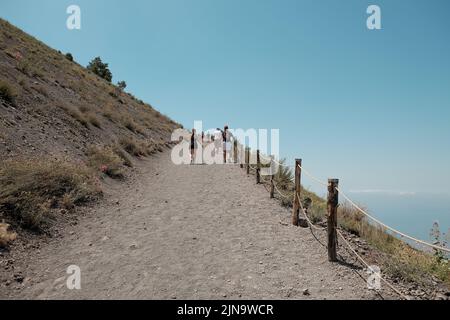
pixel 18 56
pixel 104 168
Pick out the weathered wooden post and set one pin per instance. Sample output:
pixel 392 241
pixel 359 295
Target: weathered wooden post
pixel 247 159
pixel 332 205
pixel 258 168
pixel 272 183
pixel 296 204
pixel 235 154
pixel 241 149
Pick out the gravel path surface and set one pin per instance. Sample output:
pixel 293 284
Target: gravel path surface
pixel 189 232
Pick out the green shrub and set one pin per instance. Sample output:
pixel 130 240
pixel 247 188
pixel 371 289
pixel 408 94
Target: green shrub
pixel 101 69
pixel 121 85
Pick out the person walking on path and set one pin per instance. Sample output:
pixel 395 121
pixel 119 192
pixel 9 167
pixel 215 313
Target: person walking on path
pixel 226 143
pixel 193 146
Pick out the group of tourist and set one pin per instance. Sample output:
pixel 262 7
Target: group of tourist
pixel 220 138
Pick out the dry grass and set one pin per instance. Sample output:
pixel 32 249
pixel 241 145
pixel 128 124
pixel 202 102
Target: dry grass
pixel 133 147
pixel 78 116
pixel 399 259
pixel 105 160
pixel 131 125
pixel 84 109
pixel 7 92
pixel 122 155
pixel 30 68
pixel 30 189
pixel 41 90
pixel 92 119
pixel 109 113
pixel 6 236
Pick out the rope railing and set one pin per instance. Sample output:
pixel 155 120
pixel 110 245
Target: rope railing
pixel 375 219
pixel 311 225
pixel 323 183
pixel 313 177
pixel 368 266
pixel 332 205
pixel 279 192
pixel 390 228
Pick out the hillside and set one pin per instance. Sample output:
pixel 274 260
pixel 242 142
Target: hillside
pixel 62 128
pixel 60 108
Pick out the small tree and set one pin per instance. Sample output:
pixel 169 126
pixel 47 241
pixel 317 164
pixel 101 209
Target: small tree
pixel 101 69
pixel 122 85
pixel 69 56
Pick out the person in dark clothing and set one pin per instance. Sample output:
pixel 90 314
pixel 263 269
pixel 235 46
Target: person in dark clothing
pixel 226 143
pixel 193 146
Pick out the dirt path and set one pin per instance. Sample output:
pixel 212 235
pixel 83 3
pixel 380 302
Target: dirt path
pixel 189 232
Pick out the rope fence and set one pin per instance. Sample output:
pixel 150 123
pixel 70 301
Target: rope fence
pixel 280 193
pixel 332 204
pixel 368 266
pixel 375 219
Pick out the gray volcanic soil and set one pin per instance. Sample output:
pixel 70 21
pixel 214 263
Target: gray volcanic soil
pixel 187 232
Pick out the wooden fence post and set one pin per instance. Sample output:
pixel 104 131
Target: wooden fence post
pixel 296 204
pixel 258 168
pixel 241 162
pixel 332 205
pixel 247 159
pixel 272 183
pixel 235 155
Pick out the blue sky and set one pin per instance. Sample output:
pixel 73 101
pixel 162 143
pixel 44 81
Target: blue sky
pixel 369 107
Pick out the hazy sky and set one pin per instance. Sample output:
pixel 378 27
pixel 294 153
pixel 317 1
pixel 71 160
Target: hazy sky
pixel 369 107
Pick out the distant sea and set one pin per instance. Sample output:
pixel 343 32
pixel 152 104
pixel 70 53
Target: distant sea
pixel 410 213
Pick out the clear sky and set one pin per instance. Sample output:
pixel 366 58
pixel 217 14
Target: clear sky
pixel 369 107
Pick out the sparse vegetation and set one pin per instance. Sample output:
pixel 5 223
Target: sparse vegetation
pixel 30 189
pixel 47 83
pixel 132 147
pixel 98 67
pixel 121 85
pixel 122 155
pixel 7 92
pixel 78 116
pixel 41 90
pixel 105 160
pixel 283 176
pixel 6 236
pixel 131 125
pixel 397 258
pixel 30 68
pixel 92 119
pixel 83 109
pixel 109 113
